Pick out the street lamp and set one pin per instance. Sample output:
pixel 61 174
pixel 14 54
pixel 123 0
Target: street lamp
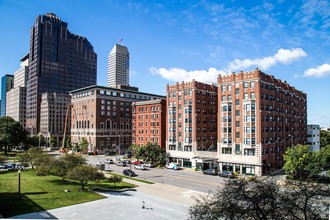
pixel 19 184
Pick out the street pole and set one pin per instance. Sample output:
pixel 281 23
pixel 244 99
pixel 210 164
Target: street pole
pixel 19 184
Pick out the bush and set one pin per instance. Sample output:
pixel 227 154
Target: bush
pixel 115 179
pixel 3 158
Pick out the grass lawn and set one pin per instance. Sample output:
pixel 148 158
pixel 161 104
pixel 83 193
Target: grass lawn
pixel 39 193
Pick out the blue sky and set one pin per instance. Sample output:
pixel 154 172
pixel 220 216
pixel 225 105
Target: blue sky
pixel 173 40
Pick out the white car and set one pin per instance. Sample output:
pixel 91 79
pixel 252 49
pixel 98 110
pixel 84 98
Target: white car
pixel 140 167
pixel 173 166
pixel 108 161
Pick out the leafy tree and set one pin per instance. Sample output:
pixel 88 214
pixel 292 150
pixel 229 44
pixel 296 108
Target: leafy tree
pixel 53 142
pixel 152 153
pixel 323 157
pixel 297 161
pixel 115 179
pixel 84 144
pixel 85 173
pixel 324 138
pixel 3 158
pixel 262 199
pixel 34 156
pixel 11 133
pixel 64 164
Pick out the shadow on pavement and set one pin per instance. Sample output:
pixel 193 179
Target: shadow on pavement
pixel 13 207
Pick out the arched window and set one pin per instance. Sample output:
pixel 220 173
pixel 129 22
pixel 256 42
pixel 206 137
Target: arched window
pixel 108 124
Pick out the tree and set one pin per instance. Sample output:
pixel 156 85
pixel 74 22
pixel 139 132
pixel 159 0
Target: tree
pixel 84 144
pixel 262 199
pixel 152 153
pixel 53 142
pixel 85 173
pixel 64 164
pixel 297 161
pixel 11 133
pixel 34 156
pixel 115 179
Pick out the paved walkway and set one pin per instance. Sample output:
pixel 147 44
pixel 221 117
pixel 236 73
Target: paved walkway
pixel 161 202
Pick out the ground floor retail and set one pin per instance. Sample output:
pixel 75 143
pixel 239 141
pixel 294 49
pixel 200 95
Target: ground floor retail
pixel 203 163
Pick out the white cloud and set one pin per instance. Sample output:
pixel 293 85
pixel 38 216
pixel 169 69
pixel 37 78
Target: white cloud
pixel 318 72
pixel 284 56
pixel 178 75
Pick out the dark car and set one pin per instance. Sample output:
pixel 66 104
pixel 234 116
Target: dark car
pixel 129 173
pixel 227 174
pixel 126 161
pixel 210 172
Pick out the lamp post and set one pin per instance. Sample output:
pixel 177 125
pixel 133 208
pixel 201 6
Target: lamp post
pixel 19 184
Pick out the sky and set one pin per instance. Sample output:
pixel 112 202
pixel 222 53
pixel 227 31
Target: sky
pixel 171 41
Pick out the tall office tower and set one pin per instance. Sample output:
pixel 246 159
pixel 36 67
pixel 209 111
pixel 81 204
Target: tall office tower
pixel 149 122
pixel 7 83
pixel 59 61
pixel 313 137
pixel 191 133
pixel 118 66
pixel 259 118
pixel 16 97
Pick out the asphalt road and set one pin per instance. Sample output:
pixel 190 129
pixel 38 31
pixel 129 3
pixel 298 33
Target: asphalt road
pixel 185 178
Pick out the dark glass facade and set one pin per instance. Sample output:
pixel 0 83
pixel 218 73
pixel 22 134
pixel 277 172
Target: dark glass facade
pixel 59 61
pixel 7 83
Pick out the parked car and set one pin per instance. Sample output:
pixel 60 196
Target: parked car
pixel 129 173
pixel 227 174
pixel 210 172
pixel 126 161
pixel 150 165
pixel 108 161
pixel 140 167
pixel 2 166
pixel 173 166
pixel 121 163
pixel 99 163
pixel 137 162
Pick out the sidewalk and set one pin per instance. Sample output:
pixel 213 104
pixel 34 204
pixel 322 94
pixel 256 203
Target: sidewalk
pixel 169 192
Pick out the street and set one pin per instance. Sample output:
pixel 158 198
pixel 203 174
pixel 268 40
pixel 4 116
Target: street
pixel 185 178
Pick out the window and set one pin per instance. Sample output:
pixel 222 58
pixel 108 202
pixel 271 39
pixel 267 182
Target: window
pixel 223 88
pixel 237 101
pixel 223 98
pixel 237 91
pixel 246 95
pixel 229 97
pixel 226 150
pixel 237 124
pixel 237 135
pixel 249 152
pixel 237 112
pixel 252 95
pixel 229 87
pixel 251 84
pixel 245 85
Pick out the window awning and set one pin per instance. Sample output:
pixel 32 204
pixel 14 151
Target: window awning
pixel 203 159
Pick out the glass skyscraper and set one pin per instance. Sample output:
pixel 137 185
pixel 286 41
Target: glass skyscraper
pixel 59 61
pixel 7 83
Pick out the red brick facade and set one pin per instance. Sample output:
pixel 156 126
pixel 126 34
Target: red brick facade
pixel 149 122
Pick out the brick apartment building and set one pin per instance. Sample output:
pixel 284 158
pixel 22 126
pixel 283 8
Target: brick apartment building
pixel 103 115
pixel 149 122
pixel 191 132
pixel 259 118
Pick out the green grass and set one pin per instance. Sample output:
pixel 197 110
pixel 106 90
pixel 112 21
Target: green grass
pixel 39 193
pixel 132 178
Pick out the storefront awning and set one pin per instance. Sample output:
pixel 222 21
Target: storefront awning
pixel 203 159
